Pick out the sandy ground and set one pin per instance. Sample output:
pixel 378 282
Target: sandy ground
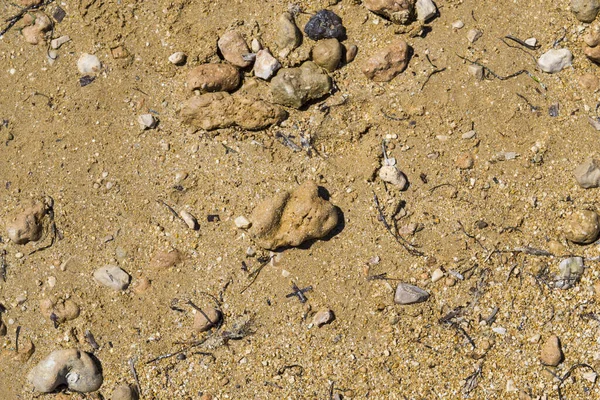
pixel 83 147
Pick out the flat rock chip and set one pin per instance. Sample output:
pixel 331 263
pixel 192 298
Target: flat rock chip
pixel 587 174
pixel 551 353
pixel 294 87
pixel 214 78
pixel 113 277
pixel 409 294
pixel 582 227
pixel 221 110
pixel 325 24
pixel 397 11
pixel 386 64
pixel 233 47
pixel 73 368
pixel 292 218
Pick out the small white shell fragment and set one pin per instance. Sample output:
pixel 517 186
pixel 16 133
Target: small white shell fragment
pixel 531 41
pixel 499 330
pixel 242 222
pixel 88 64
pixel 189 220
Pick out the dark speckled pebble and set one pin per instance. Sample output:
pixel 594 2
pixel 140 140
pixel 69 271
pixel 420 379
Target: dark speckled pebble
pixel 325 25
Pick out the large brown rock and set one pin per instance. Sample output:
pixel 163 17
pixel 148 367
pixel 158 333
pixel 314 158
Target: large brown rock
pixel 221 110
pixel 387 63
pixel 214 78
pixel 291 218
pixel 397 11
pixel 27 226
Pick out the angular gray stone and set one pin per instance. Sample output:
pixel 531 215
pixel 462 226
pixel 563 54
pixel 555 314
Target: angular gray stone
pixel 585 10
pixel 409 294
pixel 73 368
pixel 113 277
pixel 265 64
pixel 294 87
pixel 587 174
pixel 426 10
pixel 570 271
pixel 555 60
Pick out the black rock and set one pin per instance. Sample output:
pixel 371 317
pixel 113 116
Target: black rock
pixel 325 25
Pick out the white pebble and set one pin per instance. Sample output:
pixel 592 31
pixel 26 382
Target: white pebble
pixel 323 317
pixel 147 121
pixel 51 281
pixel 499 330
pixel 113 277
pixel 177 58
pixel 56 43
pixel 531 41
pixel 265 64
pixel 473 35
pixel 458 24
pixel 88 64
pixel 242 222
pixel 437 275
pixel 555 60
pixel 255 46
pixel 469 135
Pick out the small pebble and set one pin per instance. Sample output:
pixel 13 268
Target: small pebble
pixel 555 60
pixel 469 135
pixel 147 121
pixel 551 353
pixel 437 275
pixel 233 47
pixel 582 227
pixel 255 46
pixel 426 10
pixel 166 259
pixel 587 174
pixel 409 294
pixel 242 222
pixel 531 41
pixel 585 10
pixel 325 24
pixel 499 330
pixel 476 71
pixel 56 43
pixel 124 392
pixel 590 376
pixel 202 324
pixel 88 64
pixel 465 161
pixel 570 271
pixel 288 35
pixel 327 54
pixel 391 174
pixel 189 220
pixel 178 58
pixel 458 24
pixel 265 65
pixel 323 317
pixel 351 52
pixel 112 277
pixel 75 369
pixel 473 35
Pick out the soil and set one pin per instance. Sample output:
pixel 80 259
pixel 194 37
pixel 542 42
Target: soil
pixel 110 181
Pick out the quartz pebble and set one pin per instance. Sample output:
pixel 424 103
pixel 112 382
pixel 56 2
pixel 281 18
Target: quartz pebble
pixel 78 370
pixel 458 24
pixel 88 64
pixel 551 353
pixel 570 271
pixel 409 294
pixel 233 47
pixel 582 227
pixel 590 376
pixel 386 64
pixel 391 174
pixel 476 71
pixel 426 10
pixel 147 121
pixel 178 58
pixel 587 174
pixel 202 323
pixel 323 317
pixel 585 10
pixel 242 222
pixel 113 277
pixel 265 65
pixel 437 275
pixel 325 24
pixel 555 60
pixel 59 41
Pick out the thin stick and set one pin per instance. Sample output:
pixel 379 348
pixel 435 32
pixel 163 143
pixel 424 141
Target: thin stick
pixel 135 375
pixel 3 265
pixel 175 213
pixel 409 247
pixel 568 373
pixel 254 274
pixel 503 78
pixel 522 43
pixel 435 71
